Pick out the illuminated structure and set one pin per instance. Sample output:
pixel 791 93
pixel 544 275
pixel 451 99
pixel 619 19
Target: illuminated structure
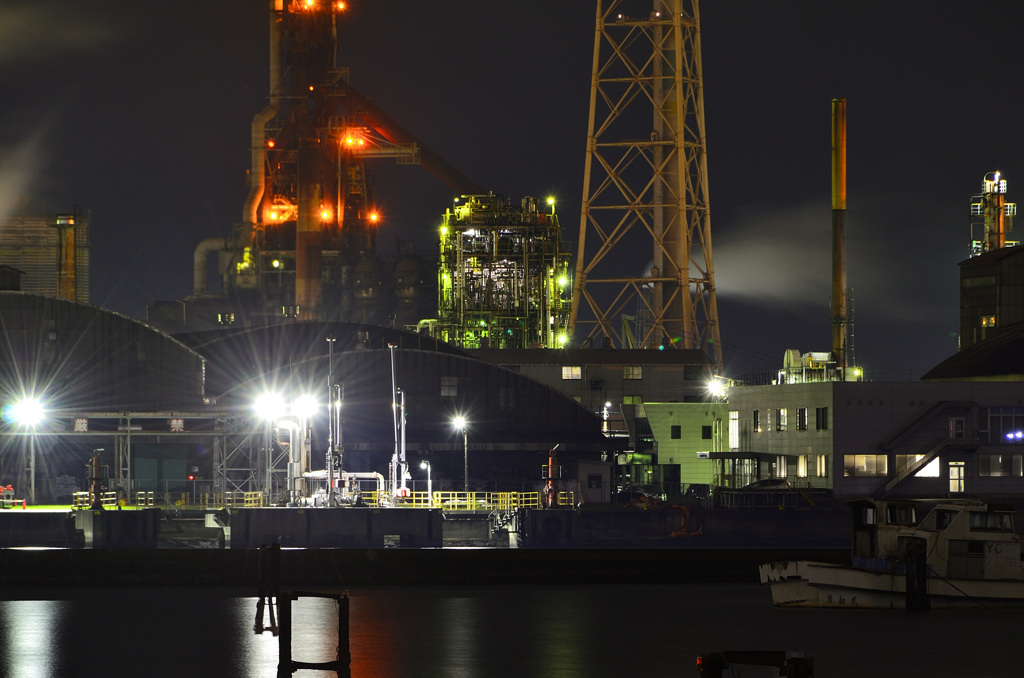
pixel 503 278
pixel 991 278
pixel 306 245
pixel 645 185
pixel 991 218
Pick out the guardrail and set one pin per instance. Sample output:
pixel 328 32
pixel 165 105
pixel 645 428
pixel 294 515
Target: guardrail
pixel 447 501
pixel 475 501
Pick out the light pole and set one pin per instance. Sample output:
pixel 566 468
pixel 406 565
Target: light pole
pixel 430 489
pixel 460 423
pixel 28 412
pixel 268 407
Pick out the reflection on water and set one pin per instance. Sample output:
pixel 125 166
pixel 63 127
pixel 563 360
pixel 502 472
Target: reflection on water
pixel 490 631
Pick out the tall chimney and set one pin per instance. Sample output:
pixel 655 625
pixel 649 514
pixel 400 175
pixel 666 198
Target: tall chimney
pixel 839 318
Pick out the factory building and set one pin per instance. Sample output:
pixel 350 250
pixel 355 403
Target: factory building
pixel 159 409
pixel 84 370
pixel 50 251
pixel 955 433
pixel 305 246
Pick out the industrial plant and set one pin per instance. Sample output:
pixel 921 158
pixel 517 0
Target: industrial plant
pixel 510 376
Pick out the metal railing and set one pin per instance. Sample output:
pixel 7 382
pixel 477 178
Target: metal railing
pixel 503 502
pixel 84 499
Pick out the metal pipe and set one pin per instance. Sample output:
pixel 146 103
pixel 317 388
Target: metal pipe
pixel 203 250
pixel 257 177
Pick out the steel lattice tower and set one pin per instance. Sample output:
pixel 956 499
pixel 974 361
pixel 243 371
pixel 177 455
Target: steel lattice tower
pixel 645 188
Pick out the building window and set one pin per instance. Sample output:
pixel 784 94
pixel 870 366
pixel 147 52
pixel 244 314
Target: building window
pixel 1005 425
pixel 574 372
pixel 905 461
pixel 956 477
pixel 506 398
pixel 705 432
pixel 781 466
pixel 633 372
pixel 449 387
pixel 734 430
pixel 823 466
pixel 1006 465
pixel 956 427
pixel 802 462
pixel 857 465
pixel 677 431
pixel 780 419
pixel 801 419
pixel 632 400
pixel 821 418
pixel 757 421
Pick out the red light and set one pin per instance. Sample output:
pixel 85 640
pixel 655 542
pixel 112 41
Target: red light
pixel 270 143
pixel 374 217
pixel 191 477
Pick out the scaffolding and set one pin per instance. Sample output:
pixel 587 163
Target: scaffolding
pixel 503 276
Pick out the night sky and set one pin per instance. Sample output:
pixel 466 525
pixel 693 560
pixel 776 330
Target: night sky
pixel 139 112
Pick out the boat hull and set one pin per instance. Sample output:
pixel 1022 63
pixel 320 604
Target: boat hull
pixel 814 584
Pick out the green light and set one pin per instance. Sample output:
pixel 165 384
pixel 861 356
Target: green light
pixel 563 281
pixel 563 339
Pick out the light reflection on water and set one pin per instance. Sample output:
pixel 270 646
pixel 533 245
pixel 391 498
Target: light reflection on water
pixel 492 632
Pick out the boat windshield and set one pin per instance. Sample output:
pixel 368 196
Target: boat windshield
pixel 991 522
pixel 901 514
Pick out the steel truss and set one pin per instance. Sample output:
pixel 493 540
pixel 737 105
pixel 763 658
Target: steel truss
pixel 645 184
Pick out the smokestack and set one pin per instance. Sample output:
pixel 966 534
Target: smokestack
pixel 839 318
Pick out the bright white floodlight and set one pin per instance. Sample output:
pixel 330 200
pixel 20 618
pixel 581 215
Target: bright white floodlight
pixel 26 412
pixel 269 406
pixel 305 406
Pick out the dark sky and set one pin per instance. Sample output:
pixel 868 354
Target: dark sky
pixel 140 113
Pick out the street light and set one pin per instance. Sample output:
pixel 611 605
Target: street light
pixel 296 418
pixel 27 412
pixel 460 424
pixel 430 489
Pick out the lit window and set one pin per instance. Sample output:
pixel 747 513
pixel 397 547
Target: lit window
pixel 633 372
pixel 734 430
pixel 757 421
pixel 780 419
pixel 572 372
pixel 802 462
pixel 822 465
pixel 632 400
pixel 857 465
pixel 781 467
pixel 906 461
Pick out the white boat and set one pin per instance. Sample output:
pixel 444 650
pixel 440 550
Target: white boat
pixel 961 553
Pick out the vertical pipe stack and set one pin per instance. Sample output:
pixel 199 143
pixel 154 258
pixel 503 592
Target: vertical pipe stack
pixel 839 318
